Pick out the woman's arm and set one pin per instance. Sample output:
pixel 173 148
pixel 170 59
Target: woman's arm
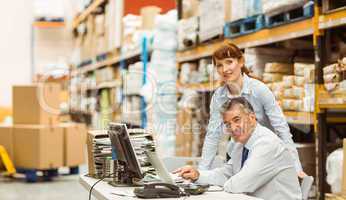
pixel 279 123
pixel 213 135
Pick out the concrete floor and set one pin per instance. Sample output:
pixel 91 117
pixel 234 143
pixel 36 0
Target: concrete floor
pixel 61 188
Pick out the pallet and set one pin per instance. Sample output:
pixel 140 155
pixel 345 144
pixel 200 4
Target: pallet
pixel 101 57
pixel 210 34
pixel 31 175
pixel 244 26
pixel 211 39
pixel 85 63
pixel 290 16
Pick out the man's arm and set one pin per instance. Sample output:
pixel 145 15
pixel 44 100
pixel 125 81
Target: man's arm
pixel 260 167
pixel 216 176
pixel 213 136
pixel 279 123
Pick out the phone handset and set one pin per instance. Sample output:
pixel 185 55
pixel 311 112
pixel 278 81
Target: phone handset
pixel 167 185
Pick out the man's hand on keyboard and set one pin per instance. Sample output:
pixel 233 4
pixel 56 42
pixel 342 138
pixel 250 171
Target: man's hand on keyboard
pixel 187 172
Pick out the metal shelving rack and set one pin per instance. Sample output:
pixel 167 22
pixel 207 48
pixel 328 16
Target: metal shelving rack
pixel 315 27
pixel 114 58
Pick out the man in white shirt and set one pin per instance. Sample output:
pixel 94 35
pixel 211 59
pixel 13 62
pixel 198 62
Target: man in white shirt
pixel 260 164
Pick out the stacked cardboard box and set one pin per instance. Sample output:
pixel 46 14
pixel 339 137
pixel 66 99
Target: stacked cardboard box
pixel 74 140
pixel 273 76
pixel 108 73
pixel 334 76
pixel 299 91
pixel 101 33
pixel 37 140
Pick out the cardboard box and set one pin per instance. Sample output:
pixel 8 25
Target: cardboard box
pixel 6 140
pixel 36 104
pixel 90 137
pixel 38 146
pixel 74 143
pixel 148 14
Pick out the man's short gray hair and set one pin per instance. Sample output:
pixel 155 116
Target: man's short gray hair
pixel 240 101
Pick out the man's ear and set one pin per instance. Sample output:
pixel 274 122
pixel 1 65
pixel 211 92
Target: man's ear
pixel 252 117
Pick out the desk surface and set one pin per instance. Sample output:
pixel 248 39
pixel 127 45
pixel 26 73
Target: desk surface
pixel 103 191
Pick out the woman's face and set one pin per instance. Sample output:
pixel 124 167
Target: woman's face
pixel 229 69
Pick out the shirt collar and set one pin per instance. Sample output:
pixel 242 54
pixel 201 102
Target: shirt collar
pixel 249 144
pixel 244 90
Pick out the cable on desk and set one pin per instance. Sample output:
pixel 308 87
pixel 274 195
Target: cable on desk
pixel 92 187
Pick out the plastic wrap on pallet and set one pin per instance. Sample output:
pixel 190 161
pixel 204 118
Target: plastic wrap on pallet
pixel 253 7
pixel 168 57
pixel 187 32
pixel 165 40
pixel 164 119
pixel 167 22
pixel 165 34
pixel 334 170
pixel 211 9
pixel 163 72
pixel 238 10
pixel 272 7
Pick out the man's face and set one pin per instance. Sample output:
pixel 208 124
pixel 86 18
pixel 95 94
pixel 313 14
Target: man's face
pixel 239 124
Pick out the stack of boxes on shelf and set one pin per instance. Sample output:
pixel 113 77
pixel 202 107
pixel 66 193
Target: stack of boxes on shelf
pixel 334 77
pixel 37 140
pixel 188 25
pixel 134 27
pixel 107 74
pixel 299 93
pixel 294 91
pixel 273 76
pixel 201 72
pixel 100 34
pixel 212 9
pixel 196 26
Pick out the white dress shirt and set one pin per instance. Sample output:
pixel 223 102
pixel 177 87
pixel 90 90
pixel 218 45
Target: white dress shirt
pixel 268 114
pixel 268 172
